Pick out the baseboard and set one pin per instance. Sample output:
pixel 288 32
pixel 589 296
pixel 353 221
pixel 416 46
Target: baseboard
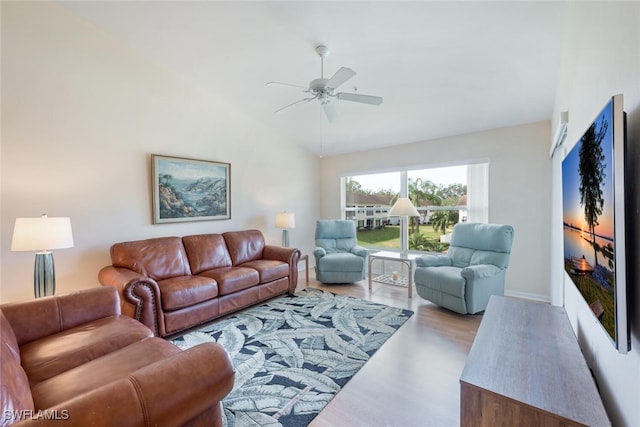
pixel 526 295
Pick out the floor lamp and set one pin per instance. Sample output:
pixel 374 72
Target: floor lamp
pixel 42 234
pixel 404 209
pixel 286 221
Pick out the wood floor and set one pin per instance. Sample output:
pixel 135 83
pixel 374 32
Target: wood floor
pixel 413 378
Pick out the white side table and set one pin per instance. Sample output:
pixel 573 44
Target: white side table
pixel 407 260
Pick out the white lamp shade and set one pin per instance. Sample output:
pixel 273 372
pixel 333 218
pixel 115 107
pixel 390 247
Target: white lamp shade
pixel 41 234
pixel 285 220
pixel 402 207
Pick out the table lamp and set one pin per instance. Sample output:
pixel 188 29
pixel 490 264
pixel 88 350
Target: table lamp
pixel 404 209
pixel 286 221
pixel 42 234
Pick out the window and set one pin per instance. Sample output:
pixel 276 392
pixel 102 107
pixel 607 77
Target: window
pixel 367 199
pixel 443 197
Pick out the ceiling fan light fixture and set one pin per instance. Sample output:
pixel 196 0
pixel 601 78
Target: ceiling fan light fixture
pixel 317 85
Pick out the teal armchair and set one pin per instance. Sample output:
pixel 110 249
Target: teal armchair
pixel 339 259
pixel 473 269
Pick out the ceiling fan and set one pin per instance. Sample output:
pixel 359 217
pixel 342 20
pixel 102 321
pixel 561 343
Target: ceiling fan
pixel 324 89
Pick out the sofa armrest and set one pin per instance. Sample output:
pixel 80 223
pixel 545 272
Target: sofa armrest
pixel 289 255
pixel 319 252
pixel 482 281
pixel 140 296
pixel 480 271
pixel 118 277
pixel 205 376
pixel 360 251
pixel 200 378
pixel 46 316
pixel 437 260
pixel 279 253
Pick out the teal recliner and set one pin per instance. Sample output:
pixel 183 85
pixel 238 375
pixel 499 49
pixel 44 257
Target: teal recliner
pixel 339 259
pixel 474 268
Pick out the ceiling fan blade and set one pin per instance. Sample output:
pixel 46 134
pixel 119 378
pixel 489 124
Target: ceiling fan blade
pixel 356 97
pixel 329 111
pixel 341 76
pixel 294 103
pixel 306 89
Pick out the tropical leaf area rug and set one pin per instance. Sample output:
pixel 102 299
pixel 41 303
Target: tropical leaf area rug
pixel 294 353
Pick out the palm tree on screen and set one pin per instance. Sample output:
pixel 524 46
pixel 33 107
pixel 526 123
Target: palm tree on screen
pixel 591 169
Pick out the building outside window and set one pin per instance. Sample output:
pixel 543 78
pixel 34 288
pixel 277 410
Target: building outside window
pixel 439 195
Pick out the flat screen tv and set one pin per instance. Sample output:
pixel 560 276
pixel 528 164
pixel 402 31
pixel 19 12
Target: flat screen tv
pixel 593 193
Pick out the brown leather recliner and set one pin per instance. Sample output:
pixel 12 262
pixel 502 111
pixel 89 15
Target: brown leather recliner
pixel 76 360
pixel 174 283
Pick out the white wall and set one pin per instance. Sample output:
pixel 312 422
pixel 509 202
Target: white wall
pixel 519 181
pixel 601 59
pixel 81 115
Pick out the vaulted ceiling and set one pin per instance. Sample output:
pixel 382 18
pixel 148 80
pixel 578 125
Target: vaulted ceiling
pixel 443 68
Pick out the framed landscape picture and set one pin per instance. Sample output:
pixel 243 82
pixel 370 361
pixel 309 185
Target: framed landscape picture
pixel 190 190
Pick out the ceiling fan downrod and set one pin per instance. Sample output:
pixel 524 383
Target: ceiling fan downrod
pixel 323 51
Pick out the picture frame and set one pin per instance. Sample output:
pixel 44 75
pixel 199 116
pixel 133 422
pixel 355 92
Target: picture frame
pixel 190 190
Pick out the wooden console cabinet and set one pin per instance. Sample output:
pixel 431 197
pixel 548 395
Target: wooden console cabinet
pixel 525 368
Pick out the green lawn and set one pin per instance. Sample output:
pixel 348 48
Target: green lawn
pixel 592 291
pixel 389 236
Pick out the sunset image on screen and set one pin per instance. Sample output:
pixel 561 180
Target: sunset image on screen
pixel 588 218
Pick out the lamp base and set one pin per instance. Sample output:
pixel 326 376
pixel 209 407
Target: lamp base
pixel 44 275
pixel 285 238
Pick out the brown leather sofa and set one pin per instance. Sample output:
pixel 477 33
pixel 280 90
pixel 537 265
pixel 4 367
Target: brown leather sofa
pixel 174 283
pixel 75 360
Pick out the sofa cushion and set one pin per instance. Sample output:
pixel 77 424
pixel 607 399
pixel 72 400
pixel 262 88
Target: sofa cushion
pixel 233 279
pixel 34 319
pixel 103 370
pixel 244 246
pixel 485 237
pixel 57 353
pixel 499 259
pixel 336 235
pixel 15 392
pixel 460 257
pixel 9 338
pixel 184 291
pixel 341 261
pixel 160 258
pixel 206 251
pixel 268 270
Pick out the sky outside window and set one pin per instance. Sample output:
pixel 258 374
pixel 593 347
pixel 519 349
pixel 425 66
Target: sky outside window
pixel 391 180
